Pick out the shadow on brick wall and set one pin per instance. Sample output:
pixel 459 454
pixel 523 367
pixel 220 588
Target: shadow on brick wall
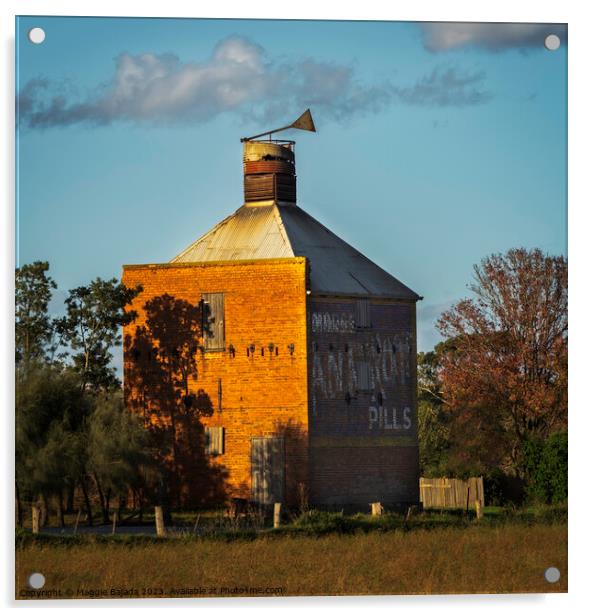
pixel 296 460
pixel 160 362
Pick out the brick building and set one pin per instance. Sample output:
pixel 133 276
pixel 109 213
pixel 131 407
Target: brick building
pixel 306 371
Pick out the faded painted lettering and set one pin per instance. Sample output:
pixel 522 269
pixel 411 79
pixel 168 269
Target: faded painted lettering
pixel 327 323
pixel 384 418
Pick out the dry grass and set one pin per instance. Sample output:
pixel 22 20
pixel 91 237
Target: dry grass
pixel 509 558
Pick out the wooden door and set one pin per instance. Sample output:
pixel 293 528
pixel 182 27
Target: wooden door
pixel 267 470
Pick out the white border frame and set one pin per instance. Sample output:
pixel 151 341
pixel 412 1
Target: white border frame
pixel 579 227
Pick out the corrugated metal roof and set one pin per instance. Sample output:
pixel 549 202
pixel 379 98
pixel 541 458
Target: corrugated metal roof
pixel 337 267
pixel 250 233
pixel 275 231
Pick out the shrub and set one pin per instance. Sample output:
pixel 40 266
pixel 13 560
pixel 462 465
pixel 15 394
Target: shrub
pixel 322 522
pixel 502 489
pixel 546 464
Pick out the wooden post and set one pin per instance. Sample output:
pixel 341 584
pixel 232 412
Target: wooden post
pixel 159 519
pixel 196 523
pixel 468 496
pixel 410 512
pixel 114 522
pixel 77 520
pixel 478 510
pixel 376 509
pixel 277 514
pixel 19 508
pixel 44 517
pixel 35 515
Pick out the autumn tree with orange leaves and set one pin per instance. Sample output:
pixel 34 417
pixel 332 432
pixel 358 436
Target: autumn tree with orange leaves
pixel 504 373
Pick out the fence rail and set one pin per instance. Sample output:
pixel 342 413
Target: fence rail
pixel 443 492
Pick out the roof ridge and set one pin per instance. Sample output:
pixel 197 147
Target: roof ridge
pixel 278 216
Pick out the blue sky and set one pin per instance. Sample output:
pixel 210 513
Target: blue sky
pixel 437 144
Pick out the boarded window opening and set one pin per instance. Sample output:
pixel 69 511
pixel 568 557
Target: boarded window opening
pixel 213 321
pixel 214 440
pixel 362 313
pixel 363 369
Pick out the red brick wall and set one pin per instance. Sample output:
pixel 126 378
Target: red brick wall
pixel 356 455
pixel 363 474
pixel 363 441
pixel 262 395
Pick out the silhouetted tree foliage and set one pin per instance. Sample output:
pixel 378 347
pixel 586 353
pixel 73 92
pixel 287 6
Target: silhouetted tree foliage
pixel 33 328
pixel 504 373
pixel 94 315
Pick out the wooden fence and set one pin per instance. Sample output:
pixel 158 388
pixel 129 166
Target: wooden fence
pixel 442 492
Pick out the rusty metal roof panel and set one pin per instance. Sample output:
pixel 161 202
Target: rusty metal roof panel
pixel 276 231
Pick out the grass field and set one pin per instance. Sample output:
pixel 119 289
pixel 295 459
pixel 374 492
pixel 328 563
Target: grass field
pixel 462 556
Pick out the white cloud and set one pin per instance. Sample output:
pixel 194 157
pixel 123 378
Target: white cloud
pixel 238 77
pixel 445 87
pixel 444 36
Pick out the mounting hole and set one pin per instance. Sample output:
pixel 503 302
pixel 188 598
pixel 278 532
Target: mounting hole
pixel 552 575
pixel 552 42
pixel 37 35
pixel 36 580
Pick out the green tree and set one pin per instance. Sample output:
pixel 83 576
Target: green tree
pixel 119 451
pixel 437 449
pixel 51 410
pixel 433 421
pixel 33 328
pixel 546 468
pixel 94 315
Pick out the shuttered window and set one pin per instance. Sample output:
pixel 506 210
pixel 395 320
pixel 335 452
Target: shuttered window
pixel 213 321
pixel 214 440
pixel 363 369
pixel 362 313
